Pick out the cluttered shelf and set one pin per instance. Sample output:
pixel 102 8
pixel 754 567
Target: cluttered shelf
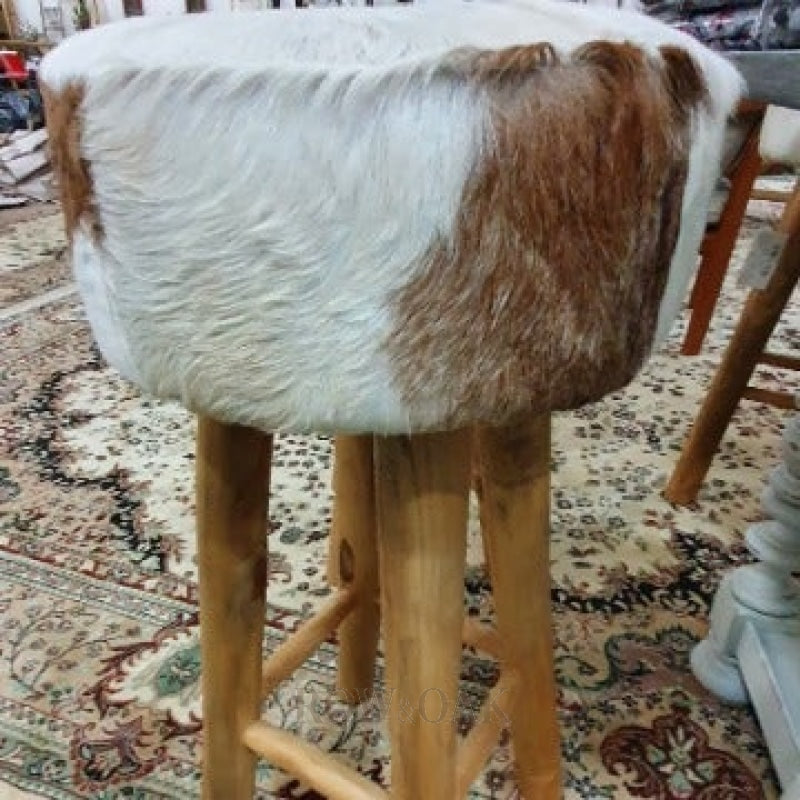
pixel 25 175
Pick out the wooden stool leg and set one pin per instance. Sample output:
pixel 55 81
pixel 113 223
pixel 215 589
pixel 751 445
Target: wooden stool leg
pixel 759 317
pixel 515 464
pixel 232 493
pixel 719 245
pixel 423 484
pixel 353 560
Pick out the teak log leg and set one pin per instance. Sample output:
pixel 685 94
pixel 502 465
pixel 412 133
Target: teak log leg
pixel 353 561
pixel 423 485
pixel 233 465
pixel 515 465
pixel 759 317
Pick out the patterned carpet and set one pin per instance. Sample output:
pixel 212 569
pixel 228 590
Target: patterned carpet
pixel 99 658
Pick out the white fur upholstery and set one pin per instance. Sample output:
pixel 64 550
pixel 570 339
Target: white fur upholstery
pixel 779 142
pixel 267 183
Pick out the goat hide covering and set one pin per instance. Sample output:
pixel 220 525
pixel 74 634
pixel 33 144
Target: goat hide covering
pixel 386 219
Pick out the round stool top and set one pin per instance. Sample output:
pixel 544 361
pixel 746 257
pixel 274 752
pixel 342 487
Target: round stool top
pixel 385 219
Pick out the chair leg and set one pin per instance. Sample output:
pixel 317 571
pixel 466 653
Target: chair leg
pixel 719 245
pixel 423 484
pixel 233 465
pixel 353 560
pixel 759 317
pixel 515 466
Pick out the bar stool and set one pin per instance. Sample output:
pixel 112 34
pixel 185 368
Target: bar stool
pixel 418 228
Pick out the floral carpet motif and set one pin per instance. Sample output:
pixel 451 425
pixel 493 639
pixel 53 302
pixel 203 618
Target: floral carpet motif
pixel 32 257
pixel 99 657
pixel 673 759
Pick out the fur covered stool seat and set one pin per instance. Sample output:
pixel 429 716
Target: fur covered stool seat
pixel 398 225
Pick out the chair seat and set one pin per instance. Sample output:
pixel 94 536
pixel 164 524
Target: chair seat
pixel 386 220
pixel 780 136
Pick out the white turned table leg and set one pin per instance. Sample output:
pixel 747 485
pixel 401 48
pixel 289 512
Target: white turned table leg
pixel 752 651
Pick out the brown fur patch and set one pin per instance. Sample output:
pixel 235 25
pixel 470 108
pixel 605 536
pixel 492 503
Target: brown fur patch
pixel 511 64
pixel 547 295
pixel 63 114
pixel 685 82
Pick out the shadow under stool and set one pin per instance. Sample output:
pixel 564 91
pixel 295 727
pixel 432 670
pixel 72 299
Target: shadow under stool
pixel 422 230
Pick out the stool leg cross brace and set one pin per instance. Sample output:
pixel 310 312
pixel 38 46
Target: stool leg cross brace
pixel 421 486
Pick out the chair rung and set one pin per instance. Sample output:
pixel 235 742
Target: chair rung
pixel 772 195
pixel 481 741
pixel 779 360
pixel 301 644
pixel 313 766
pixel 482 637
pixel 777 399
pixel 321 771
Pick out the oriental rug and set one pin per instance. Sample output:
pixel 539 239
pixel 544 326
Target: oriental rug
pixel 99 659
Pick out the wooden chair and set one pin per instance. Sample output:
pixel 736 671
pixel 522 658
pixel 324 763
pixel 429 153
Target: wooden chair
pixel 754 156
pixel 746 350
pixel 254 236
pixel 722 233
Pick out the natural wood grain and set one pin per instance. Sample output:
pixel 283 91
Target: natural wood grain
pixel 477 747
pixel 515 467
pixel 482 637
pixel 423 484
pixel 303 642
pixel 761 313
pixel 311 765
pixel 353 562
pixel 233 465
